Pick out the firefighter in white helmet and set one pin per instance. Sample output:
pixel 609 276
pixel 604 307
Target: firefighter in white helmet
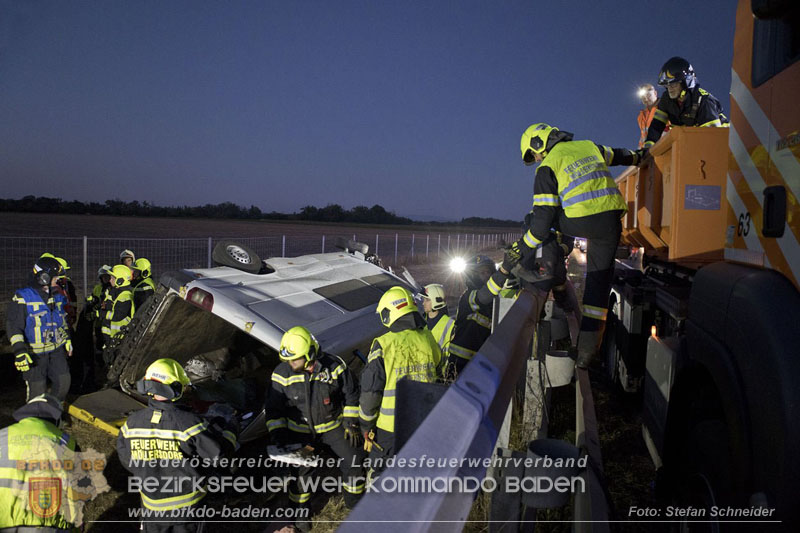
pixel 435 306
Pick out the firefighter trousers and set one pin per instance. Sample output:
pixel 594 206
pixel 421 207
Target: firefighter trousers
pixel 350 463
pixel 48 366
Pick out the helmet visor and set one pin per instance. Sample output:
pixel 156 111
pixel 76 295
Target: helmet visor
pixel 528 158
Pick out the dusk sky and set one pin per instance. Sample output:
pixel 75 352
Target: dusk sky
pixel 416 106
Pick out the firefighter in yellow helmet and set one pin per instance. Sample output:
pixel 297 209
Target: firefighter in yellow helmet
pixel 26 448
pixel 143 285
pixel 159 441
pixel 36 322
pixel 407 350
pixel 119 311
pixel 313 399
pixel 574 193
pixel 434 304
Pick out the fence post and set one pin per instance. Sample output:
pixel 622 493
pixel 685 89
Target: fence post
pixel 354 237
pixel 427 242
pixel 412 247
pixel 283 246
pixel 458 242
pixel 323 244
pixel 85 267
pixel 209 253
pixel 395 249
pixel 376 244
pixel 439 246
pixel 448 243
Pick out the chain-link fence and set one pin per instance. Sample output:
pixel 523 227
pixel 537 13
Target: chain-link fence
pixel 86 255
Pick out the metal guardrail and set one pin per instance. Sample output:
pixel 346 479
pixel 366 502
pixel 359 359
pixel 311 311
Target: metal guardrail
pixel 463 425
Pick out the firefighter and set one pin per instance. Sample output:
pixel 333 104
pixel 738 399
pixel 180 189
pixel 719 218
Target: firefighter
pixel 314 400
pixel 407 350
pixel 37 328
pixel 435 306
pixel 574 193
pixel 684 103
pixel 120 308
pixel 67 288
pixel 34 439
pixel 127 258
pixel 159 441
pixel 143 287
pixel 473 323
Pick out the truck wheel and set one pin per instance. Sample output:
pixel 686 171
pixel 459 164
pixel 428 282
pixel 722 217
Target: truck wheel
pixel 705 475
pixel 232 254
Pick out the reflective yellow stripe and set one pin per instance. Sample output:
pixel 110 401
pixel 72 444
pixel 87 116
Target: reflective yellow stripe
pixel 660 116
pixel 364 416
pixel 299 428
pixel 229 436
pixel 494 288
pixel 338 371
pixel 608 154
pixel 277 378
pixel 463 353
pixel 530 240
pixel 648 144
pixel 299 498
pixel 545 199
pixel 716 123
pixel 351 411
pixel 169 434
pixel 174 502
pixel 598 313
pixel 333 424
pixel 448 329
pixel 276 423
pixel 480 319
pixel 358 488
pixel 374 354
pixel 17 338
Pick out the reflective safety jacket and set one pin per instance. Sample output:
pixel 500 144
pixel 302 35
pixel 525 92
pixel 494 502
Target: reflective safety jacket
pixel 119 312
pixel 36 321
pixel 24 448
pixel 697 108
pixel 159 442
pixel 311 403
pixel 143 290
pixel 574 177
pixel 473 323
pixel 442 330
pixel 411 353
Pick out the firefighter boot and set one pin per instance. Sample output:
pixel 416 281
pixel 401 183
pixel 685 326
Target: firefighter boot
pixel 588 342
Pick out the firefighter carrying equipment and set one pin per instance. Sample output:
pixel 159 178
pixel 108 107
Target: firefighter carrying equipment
pixel 677 69
pixel 298 342
pixel 394 303
pixel 164 377
pixel 36 429
pixel 435 293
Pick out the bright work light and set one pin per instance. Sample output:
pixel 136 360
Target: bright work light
pixel 458 265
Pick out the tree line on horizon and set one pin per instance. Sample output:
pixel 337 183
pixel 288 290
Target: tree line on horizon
pixel 359 214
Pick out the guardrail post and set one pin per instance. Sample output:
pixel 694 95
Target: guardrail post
pixel 85 266
pixel 283 245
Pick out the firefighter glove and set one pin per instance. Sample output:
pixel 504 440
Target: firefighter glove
pixel 512 256
pixel 23 362
pixel 640 154
pixel 353 435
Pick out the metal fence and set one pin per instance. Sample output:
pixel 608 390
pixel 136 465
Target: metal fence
pixel 86 255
